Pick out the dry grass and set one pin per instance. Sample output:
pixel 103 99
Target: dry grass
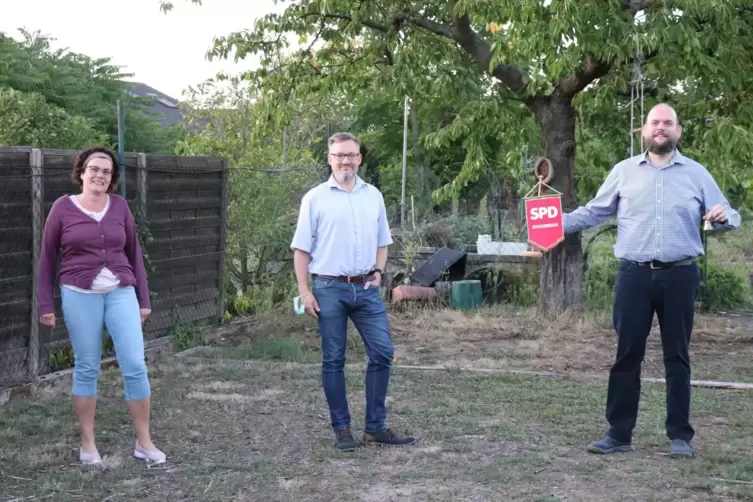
pixel 245 419
pixel 263 435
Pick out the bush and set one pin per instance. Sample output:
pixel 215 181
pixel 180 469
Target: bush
pixel 726 288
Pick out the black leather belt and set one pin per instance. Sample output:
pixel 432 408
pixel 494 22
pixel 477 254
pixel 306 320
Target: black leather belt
pixel 350 279
pixel 665 264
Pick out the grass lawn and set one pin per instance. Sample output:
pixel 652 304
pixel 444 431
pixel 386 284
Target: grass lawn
pixel 245 419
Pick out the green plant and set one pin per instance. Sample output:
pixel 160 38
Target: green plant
pixel 185 335
pixel 520 289
pixel 145 235
pixel 62 359
pixel 725 288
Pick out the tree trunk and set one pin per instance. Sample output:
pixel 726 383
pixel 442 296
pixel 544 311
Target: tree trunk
pixel 561 279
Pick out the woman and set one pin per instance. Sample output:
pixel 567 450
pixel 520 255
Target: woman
pixel 102 283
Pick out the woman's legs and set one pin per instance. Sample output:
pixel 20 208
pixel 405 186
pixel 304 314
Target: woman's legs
pixel 123 322
pixel 83 315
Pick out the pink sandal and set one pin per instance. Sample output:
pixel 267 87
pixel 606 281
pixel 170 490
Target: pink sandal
pixel 151 456
pixel 89 458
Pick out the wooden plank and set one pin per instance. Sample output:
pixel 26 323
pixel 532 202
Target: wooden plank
pixel 214 232
pixel 143 183
pixel 187 313
pixel 168 301
pixel 158 284
pixel 15 239
pixel 188 183
pixel 183 252
pixel 15 308
pixel 173 195
pixel 186 223
pixel 182 164
pixel 223 237
pixel 193 287
pixel 14 186
pixel 17 150
pixel 37 226
pixel 187 242
pixel 13 192
pixel 13 336
pixel 15 288
pixel 15 264
pixel 182 204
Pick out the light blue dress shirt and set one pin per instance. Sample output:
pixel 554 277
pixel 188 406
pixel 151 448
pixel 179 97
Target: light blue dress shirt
pixel 659 209
pixel 342 230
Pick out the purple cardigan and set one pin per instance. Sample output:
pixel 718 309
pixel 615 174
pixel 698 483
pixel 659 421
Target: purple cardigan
pixel 87 246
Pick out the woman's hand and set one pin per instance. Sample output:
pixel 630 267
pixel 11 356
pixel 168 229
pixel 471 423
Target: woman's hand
pixel 144 314
pixel 47 320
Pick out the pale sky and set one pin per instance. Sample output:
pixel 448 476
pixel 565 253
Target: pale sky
pixel 165 51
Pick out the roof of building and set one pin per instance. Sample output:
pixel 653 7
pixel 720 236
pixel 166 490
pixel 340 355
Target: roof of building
pixel 166 107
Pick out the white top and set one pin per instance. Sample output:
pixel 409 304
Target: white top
pixel 106 281
pixel 342 230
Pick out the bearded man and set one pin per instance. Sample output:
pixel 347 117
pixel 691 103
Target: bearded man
pixel 660 199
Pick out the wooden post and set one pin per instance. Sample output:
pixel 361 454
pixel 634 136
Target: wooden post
pixel 141 174
pixel 37 227
pixel 223 238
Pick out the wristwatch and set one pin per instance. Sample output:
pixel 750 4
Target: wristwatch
pixel 381 272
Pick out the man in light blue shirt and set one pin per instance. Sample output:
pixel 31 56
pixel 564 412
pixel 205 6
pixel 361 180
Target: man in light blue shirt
pixel 660 199
pixel 341 239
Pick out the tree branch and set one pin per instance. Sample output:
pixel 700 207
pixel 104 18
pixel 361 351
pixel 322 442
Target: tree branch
pixel 636 5
pixel 345 17
pixel 481 51
pixel 461 32
pixel 591 69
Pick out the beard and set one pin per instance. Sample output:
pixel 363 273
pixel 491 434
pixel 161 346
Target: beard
pixel 660 148
pixel 349 176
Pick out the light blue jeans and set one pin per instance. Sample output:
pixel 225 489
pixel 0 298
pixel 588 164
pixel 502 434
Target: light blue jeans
pixel 86 316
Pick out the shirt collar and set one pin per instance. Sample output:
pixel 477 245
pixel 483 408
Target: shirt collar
pixel 677 158
pixel 332 182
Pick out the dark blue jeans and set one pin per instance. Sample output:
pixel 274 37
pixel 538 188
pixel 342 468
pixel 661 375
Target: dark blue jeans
pixel 339 301
pixel 641 291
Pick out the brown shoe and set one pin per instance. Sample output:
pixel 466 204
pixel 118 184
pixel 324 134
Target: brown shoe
pixel 387 438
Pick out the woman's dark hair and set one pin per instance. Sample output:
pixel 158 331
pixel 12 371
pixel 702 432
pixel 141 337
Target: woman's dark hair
pixel 78 166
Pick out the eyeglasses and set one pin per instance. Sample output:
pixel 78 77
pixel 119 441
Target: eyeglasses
pixel 341 156
pixel 95 170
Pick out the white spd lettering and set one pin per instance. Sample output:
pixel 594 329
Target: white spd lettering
pixel 544 212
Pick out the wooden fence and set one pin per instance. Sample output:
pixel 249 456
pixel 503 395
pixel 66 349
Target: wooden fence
pixel 181 206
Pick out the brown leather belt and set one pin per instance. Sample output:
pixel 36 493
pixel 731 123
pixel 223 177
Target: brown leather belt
pixel 350 279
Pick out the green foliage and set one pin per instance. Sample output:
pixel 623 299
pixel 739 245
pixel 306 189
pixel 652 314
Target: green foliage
pixel 81 94
pixel 487 80
pixel 61 359
pixel 64 357
pixel 262 208
pixel 263 295
pixel 28 120
pixel 384 50
pixel 520 289
pixel 185 334
pixel 725 288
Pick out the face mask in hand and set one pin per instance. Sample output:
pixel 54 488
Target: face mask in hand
pixel 299 306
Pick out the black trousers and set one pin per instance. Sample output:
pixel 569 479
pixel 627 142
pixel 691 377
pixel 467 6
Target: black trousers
pixel 639 292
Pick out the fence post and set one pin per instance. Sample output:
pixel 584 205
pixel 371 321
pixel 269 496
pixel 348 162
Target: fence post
pixel 141 182
pixel 37 227
pixel 223 237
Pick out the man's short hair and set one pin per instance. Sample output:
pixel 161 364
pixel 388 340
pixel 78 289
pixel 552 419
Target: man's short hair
pixel 339 137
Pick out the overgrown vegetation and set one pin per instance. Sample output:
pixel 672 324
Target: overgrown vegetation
pixel 55 98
